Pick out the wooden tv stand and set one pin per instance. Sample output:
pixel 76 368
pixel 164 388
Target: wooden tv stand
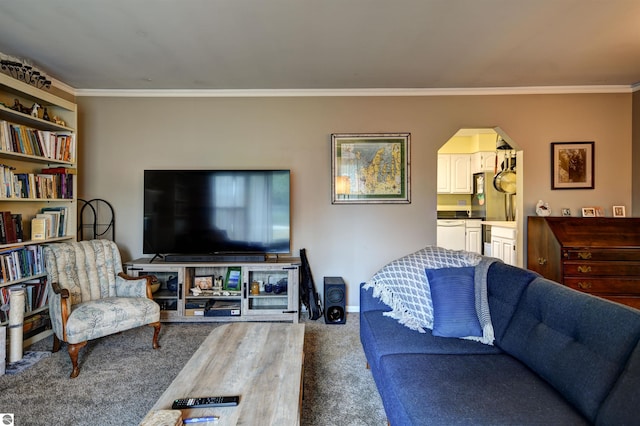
pixel 226 289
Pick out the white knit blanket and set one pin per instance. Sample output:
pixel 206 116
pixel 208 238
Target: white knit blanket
pixel 403 286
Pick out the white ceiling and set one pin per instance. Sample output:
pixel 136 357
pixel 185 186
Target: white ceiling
pixel 326 44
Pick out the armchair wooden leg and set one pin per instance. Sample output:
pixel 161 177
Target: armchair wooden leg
pixel 156 333
pixel 73 354
pixel 56 344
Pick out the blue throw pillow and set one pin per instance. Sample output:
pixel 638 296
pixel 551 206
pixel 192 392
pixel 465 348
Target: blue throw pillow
pixel 454 306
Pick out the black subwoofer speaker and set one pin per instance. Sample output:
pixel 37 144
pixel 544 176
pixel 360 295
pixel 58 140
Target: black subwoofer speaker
pixel 335 299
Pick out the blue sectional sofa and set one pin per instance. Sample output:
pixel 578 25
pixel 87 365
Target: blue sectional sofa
pixel 560 357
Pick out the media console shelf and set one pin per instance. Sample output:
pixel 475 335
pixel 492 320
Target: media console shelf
pixel 223 291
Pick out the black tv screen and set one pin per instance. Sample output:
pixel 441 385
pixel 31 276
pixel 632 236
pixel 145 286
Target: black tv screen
pixel 216 211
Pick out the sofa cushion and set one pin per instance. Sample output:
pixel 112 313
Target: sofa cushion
pixel 578 343
pixel 505 285
pixel 469 390
pixel 454 306
pixel 381 335
pixel 615 409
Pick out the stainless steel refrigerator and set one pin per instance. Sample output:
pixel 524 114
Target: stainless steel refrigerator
pixel 487 202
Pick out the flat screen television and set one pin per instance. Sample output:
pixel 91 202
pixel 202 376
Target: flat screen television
pixel 201 212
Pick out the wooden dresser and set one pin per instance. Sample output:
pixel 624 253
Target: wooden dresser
pixel 598 255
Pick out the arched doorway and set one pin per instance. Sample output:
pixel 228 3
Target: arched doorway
pixel 480 194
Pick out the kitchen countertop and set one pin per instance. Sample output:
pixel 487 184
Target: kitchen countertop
pixel 501 223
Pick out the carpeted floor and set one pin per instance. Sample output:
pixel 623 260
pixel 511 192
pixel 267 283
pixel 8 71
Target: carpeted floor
pixel 121 377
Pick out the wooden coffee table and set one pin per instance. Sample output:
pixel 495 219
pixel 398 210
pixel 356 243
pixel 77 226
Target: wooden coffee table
pixel 260 362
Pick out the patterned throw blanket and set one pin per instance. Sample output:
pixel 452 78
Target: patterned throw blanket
pixel 403 285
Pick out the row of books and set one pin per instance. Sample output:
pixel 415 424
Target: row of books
pixel 36 297
pixel 20 263
pixel 25 140
pixel 11 228
pixel 51 222
pixel 56 182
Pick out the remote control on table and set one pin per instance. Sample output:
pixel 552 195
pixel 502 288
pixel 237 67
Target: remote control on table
pixel 209 401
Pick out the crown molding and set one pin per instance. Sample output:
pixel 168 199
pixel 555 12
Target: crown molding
pixel 228 93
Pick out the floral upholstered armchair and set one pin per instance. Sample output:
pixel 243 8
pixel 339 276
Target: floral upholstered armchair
pixel 91 297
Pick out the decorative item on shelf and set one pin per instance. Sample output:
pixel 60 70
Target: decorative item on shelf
pixel 59 121
pixel 26 73
pixel 233 278
pixel 203 282
pixel 17 106
pixel 172 283
pixel 588 212
pixel 217 283
pixel 255 288
pixel 566 211
pixel 599 211
pixel 155 285
pixel 268 288
pixel 45 115
pixel 542 208
pixel 618 211
pixel 280 286
pixel 34 110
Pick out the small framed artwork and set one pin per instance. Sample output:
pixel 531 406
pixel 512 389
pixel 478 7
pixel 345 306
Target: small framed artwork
pixel 588 212
pixel 232 283
pixel 599 211
pixel 566 212
pixel 572 165
pixel 618 211
pixel 370 168
pixel 203 282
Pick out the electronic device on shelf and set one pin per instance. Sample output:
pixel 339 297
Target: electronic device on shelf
pixel 216 215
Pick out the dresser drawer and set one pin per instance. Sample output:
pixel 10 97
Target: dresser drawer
pixel 600 268
pixel 626 285
pixel 603 254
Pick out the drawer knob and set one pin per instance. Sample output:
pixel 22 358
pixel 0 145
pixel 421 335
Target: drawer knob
pixel 584 286
pixel 584 255
pixel 542 261
pixel 584 269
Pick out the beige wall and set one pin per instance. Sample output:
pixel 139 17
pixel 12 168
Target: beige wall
pixel 123 136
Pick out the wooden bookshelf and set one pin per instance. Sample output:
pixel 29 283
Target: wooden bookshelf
pixel 31 146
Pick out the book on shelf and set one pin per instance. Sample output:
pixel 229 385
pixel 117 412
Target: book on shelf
pixel 40 143
pixel 58 184
pixel 36 297
pixel 10 228
pixel 17 224
pixel 62 217
pixel 21 263
pixel 38 229
pixel 60 170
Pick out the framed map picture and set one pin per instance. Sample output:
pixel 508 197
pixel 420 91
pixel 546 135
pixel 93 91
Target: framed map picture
pixel 370 168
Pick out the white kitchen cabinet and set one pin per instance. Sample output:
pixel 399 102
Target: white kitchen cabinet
pixel 503 244
pixel 444 174
pixel 483 161
pixel 454 174
pixel 473 238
